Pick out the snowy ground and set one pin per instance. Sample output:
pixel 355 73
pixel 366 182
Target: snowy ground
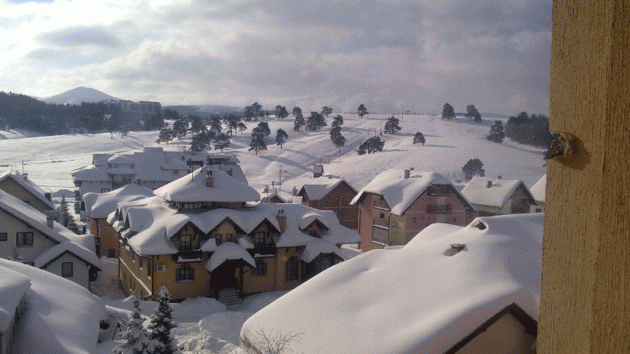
pixel 206 326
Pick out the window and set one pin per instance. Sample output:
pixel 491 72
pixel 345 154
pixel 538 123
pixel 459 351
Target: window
pixel 229 238
pixel 140 261
pixel 218 238
pixel 261 267
pixel 24 239
pixel 439 208
pixel 185 243
pixel 292 269
pixel 66 269
pixel 3 236
pixel 259 239
pixel 149 269
pixel 111 253
pixel 185 273
pixel 313 232
pixel 382 216
pixel 104 190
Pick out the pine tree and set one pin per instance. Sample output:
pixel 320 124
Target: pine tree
pixel 299 120
pixel 162 324
pixel 419 138
pixel 336 137
pixel 241 126
pixel 362 110
pixel 391 126
pixel 258 141
pixel 448 111
pixel 197 125
pixel 496 132
pixel 180 128
pixel 337 121
pixel 473 167
pixel 473 113
pixel 326 111
pixel 263 127
pixel 165 136
pixel 371 145
pixel 281 137
pixel 201 141
pixel 65 218
pixel 221 142
pixel 215 125
pixel 281 112
pixel 135 339
pixel 315 121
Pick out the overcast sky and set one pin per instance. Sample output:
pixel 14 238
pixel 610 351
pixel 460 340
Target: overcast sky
pixel 390 55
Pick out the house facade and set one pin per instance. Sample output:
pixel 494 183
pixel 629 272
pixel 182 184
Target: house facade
pixel 19 186
pixel 36 239
pixel 200 236
pixel 331 193
pixel 538 191
pixel 498 196
pixel 398 204
pixel 151 168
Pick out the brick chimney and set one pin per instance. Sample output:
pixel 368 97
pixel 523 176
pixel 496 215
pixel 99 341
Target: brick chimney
pixel 282 220
pixel 209 179
pixel 50 218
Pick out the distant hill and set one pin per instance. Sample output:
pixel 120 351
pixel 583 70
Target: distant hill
pixel 204 110
pixel 79 95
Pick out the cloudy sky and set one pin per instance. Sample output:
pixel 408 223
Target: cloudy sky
pixel 390 55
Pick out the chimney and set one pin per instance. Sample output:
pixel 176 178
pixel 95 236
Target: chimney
pixel 209 179
pixel 407 174
pixel 48 195
pixel 489 184
pixel 50 218
pixel 318 171
pixel 25 176
pixel 456 248
pixel 282 220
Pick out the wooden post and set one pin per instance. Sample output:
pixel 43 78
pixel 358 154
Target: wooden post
pixel 585 300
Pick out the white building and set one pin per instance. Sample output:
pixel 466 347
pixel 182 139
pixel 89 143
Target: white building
pixel 152 168
pixel 498 196
pixel 538 192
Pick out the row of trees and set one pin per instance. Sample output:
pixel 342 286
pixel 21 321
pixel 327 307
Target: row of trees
pixel 524 129
pixel 448 112
pixel 23 112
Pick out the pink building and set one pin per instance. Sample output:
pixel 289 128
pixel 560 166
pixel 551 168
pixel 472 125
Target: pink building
pixel 398 204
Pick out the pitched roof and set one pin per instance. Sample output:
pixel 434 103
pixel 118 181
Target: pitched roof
pixel 27 184
pixel 81 246
pixel 153 223
pixel 192 188
pixel 418 298
pixel 13 287
pixel 229 251
pixel 99 205
pixel 496 195
pixel 400 192
pixel 539 188
pixel 318 188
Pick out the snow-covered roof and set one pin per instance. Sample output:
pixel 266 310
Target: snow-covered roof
pixel 82 245
pixel 316 247
pixel 91 173
pixel 27 184
pixel 317 188
pixel 400 192
pixel 538 189
pixel 229 251
pixel 489 191
pixel 192 188
pixel 415 299
pixel 120 159
pixel 99 205
pixel 57 308
pixel 12 288
pixel 54 252
pixel 152 223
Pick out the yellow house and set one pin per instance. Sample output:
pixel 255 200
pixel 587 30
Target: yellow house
pixel 19 186
pixel 200 237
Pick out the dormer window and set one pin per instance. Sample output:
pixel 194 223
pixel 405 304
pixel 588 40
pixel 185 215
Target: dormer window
pixel 185 243
pixel 259 239
pixel 313 232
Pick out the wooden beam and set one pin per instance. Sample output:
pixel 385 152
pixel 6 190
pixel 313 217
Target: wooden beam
pixel 585 300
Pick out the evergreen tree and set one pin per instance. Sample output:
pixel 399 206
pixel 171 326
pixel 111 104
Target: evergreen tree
pixel 166 135
pixel 221 142
pixel 201 141
pixel 336 137
pixel 299 121
pixel 232 122
pixel 197 125
pixel 264 128
pixel 253 112
pixel 241 126
pixel 215 125
pixel 473 113
pixel 472 168
pixel 496 132
pixel 419 138
pixel 315 121
pixel 65 218
pixel 281 112
pixel 371 145
pixel 362 110
pixel 135 339
pixel 296 110
pixel 391 126
pixel 258 141
pixel 281 137
pixel 337 121
pixel 180 128
pixel 326 111
pixel 162 324
pixel 448 112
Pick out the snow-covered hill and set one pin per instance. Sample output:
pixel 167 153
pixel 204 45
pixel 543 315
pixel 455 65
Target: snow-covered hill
pixel 78 95
pixel 49 160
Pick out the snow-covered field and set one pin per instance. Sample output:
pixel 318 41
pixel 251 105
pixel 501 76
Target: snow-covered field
pixel 205 326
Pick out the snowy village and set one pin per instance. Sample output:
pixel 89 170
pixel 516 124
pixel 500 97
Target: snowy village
pixel 244 177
